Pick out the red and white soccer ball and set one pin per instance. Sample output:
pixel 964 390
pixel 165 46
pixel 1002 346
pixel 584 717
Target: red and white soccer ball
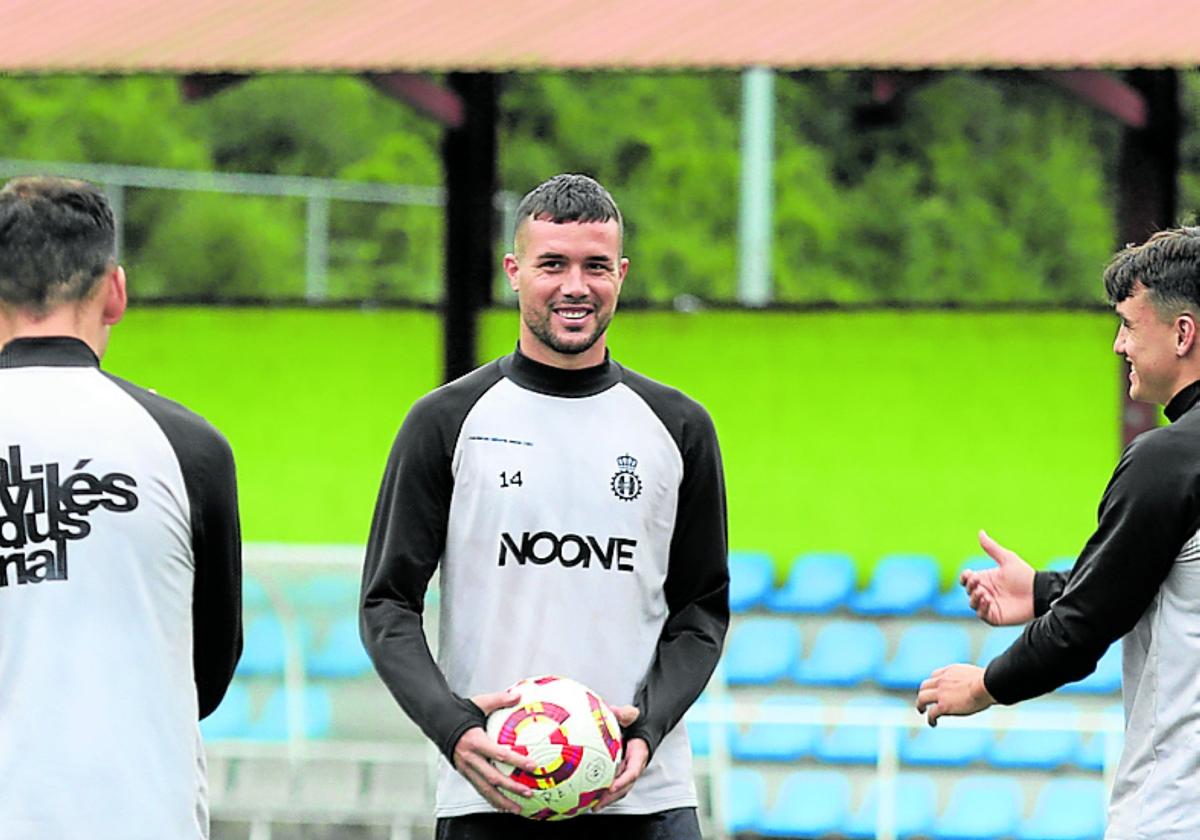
pixel 572 735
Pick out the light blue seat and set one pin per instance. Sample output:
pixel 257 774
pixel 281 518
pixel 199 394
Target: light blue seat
pixel 1095 749
pixel 1106 679
pixel 264 648
pixel 745 799
pixel 998 640
pixel 953 603
pixel 914 809
pixel 945 746
pixel 921 649
pixel 701 731
pixel 844 654
pixel 751 579
pixel 231 719
pixel 1067 809
pixel 333 592
pixel 766 741
pixel 817 583
pixel 903 584
pixel 761 651
pixel 314 704
pixel 254 595
pixel 1061 564
pixel 809 803
pixel 342 655
pixel 1037 749
pixel 852 744
pixel 983 807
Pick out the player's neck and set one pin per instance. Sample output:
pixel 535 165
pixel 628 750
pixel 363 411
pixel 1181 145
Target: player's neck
pixel 533 349
pixel 62 321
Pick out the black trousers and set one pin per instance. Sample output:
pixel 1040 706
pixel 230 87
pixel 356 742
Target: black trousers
pixel 676 824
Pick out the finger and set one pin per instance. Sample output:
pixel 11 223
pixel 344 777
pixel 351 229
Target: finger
pixel 493 796
pixel 492 776
pixel 626 715
pixel 489 703
pixel 994 550
pixel 932 715
pixel 621 785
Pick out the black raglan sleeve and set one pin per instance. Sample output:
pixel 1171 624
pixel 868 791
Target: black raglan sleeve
pixel 1148 511
pixel 1047 588
pixel 408 537
pixel 210 478
pixel 697 582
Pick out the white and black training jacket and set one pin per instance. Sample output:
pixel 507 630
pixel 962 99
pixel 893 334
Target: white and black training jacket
pixel 578 518
pixel 1138 578
pixel 120 614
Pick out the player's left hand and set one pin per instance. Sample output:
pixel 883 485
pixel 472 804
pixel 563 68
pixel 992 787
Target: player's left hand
pixel 956 690
pixel 633 761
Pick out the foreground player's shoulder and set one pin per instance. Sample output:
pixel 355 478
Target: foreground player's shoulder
pixel 1163 463
pixel 684 417
pixel 447 406
pixel 190 435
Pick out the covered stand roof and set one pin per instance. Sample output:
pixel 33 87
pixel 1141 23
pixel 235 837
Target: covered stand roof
pixel 211 36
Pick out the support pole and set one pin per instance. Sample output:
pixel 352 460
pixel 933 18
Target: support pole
pixel 469 165
pixel 757 194
pixel 1146 196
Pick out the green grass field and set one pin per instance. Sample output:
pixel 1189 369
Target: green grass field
pixel 863 432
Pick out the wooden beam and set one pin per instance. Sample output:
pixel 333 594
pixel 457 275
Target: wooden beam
pixel 423 94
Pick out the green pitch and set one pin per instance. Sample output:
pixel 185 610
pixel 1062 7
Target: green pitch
pixel 861 432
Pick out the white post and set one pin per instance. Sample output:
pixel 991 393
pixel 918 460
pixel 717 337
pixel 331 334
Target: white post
pixel 757 193
pixel 317 250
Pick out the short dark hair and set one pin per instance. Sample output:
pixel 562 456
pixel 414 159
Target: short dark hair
pixel 57 238
pixel 569 198
pixel 1167 264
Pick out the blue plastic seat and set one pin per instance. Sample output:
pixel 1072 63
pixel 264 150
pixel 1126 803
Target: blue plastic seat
pixel 702 731
pixel 817 583
pixel 1067 809
pixel 264 648
pixel 809 803
pixel 982 807
pixel 1061 564
pixel 745 799
pixel 324 592
pixel 342 656
pixel 945 746
pixel 1038 749
pixel 314 705
pixel 852 744
pixel 953 603
pixel 766 741
pixel 921 649
pixel 1095 752
pixel 998 640
pixel 761 651
pixel 914 809
pixel 254 595
pixel 903 584
pixel 751 579
pixel 1106 679
pixel 231 719
pixel 844 654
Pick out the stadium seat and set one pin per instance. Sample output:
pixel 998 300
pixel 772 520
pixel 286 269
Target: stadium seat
pixel 981 807
pixel 1067 809
pixel 313 704
pixel 766 741
pixel 921 649
pixel 998 640
pixel 953 603
pixel 809 803
pixel 342 655
pixel 331 592
pixel 850 744
pixel 745 799
pixel 751 578
pixel 817 583
pixel 264 650
pixel 903 584
pixel 844 654
pixel 701 732
pixel 914 809
pixel 1095 752
pixel 1106 679
pixel 945 746
pixel 1061 564
pixel 1037 749
pixel 254 595
pixel 761 651
pixel 231 719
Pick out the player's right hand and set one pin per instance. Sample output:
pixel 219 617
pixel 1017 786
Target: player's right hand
pixel 475 750
pixel 1003 595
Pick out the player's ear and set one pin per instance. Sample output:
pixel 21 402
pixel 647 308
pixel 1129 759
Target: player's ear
pixel 115 296
pixel 1185 334
pixel 622 270
pixel 510 270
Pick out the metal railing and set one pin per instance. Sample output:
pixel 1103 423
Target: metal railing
pixel 317 193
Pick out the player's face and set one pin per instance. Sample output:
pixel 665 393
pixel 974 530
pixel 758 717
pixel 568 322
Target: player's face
pixel 567 278
pixel 1148 343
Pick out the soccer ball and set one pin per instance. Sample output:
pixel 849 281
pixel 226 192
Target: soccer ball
pixel 572 735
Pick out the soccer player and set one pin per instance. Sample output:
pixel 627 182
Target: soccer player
pixel 120 563
pixel 1138 577
pixel 577 512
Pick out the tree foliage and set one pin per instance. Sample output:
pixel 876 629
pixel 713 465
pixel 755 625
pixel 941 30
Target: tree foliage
pixel 967 187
